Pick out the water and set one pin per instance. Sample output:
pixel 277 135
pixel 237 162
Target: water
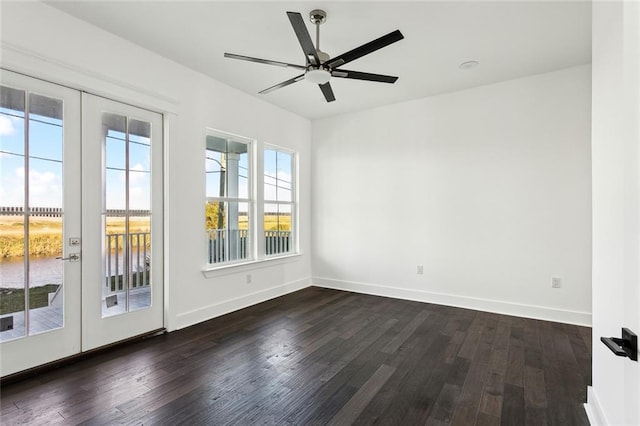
pixel 49 270
pixel 44 270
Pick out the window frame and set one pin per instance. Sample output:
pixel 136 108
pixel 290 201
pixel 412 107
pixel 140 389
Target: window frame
pixel 293 204
pixel 249 201
pixel 256 251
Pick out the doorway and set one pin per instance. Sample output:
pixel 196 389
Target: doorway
pixel 80 222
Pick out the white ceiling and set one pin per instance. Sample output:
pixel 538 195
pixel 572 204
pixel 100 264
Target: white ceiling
pixel 509 39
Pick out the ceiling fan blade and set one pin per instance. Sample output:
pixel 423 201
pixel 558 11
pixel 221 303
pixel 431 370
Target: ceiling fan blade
pixel 327 92
pixel 357 75
pixel 264 61
pixel 304 38
pixel 365 49
pixel 283 84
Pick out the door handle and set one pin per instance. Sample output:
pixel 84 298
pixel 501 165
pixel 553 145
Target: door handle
pixel 73 257
pixel 625 347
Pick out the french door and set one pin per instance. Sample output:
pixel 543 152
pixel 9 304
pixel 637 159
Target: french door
pixel 80 222
pixel 39 215
pixel 122 221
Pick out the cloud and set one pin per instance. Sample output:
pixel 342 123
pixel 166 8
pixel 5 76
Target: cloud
pixel 137 179
pixel 139 199
pixel 45 188
pixel 12 188
pixel 6 126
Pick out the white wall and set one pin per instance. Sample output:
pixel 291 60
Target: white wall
pixel 614 397
pixel 488 189
pixel 44 42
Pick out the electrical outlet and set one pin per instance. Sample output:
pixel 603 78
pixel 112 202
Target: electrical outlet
pixel 556 282
pixel 420 270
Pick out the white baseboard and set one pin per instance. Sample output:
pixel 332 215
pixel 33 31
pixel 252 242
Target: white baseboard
pixel 593 409
pixel 487 305
pixel 206 313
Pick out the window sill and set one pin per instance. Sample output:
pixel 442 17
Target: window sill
pixel 234 268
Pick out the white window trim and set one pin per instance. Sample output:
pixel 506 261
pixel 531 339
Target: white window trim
pixel 293 203
pixel 251 201
pixel 210 271
pixel 256 256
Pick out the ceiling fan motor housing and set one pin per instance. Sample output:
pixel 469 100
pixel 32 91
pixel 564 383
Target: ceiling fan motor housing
pixel 323 56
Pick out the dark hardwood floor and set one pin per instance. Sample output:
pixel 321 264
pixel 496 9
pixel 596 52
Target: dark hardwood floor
pixel 321 356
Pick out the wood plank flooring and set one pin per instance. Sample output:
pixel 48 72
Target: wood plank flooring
pixel 320 356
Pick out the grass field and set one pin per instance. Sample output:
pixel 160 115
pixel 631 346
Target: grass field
pixel 45 237
pixel 45 234
pixel 272 222
pixel 277 223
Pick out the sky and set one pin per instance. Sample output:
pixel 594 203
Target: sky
pixel 46 180
pixel 278 172
pixel 139 172
pixel 45 164
pixel 46 172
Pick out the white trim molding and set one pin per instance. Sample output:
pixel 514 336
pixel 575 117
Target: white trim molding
pixel 206 313
pixel 593 409
pixel 34 64
pixel 210 271
pixel 486 305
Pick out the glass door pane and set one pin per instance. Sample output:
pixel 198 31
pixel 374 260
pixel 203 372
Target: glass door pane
pixel 127 214
pixel 32 213
pixel 45 213
pixel 12 220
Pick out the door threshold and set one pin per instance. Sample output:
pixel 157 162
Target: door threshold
pixel 31 372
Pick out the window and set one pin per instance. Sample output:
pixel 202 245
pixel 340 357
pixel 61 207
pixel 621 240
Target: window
pixel 279 202
pixel 233 209
pixel 228 202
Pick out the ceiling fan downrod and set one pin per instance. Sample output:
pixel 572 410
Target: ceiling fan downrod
pixel 319 17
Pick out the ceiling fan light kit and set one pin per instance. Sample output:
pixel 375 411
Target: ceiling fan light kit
pixel 317 76
pixel 320 67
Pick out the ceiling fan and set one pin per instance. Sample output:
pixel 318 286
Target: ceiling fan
pixel 319 67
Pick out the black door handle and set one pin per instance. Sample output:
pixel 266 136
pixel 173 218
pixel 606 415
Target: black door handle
pixel 627 346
